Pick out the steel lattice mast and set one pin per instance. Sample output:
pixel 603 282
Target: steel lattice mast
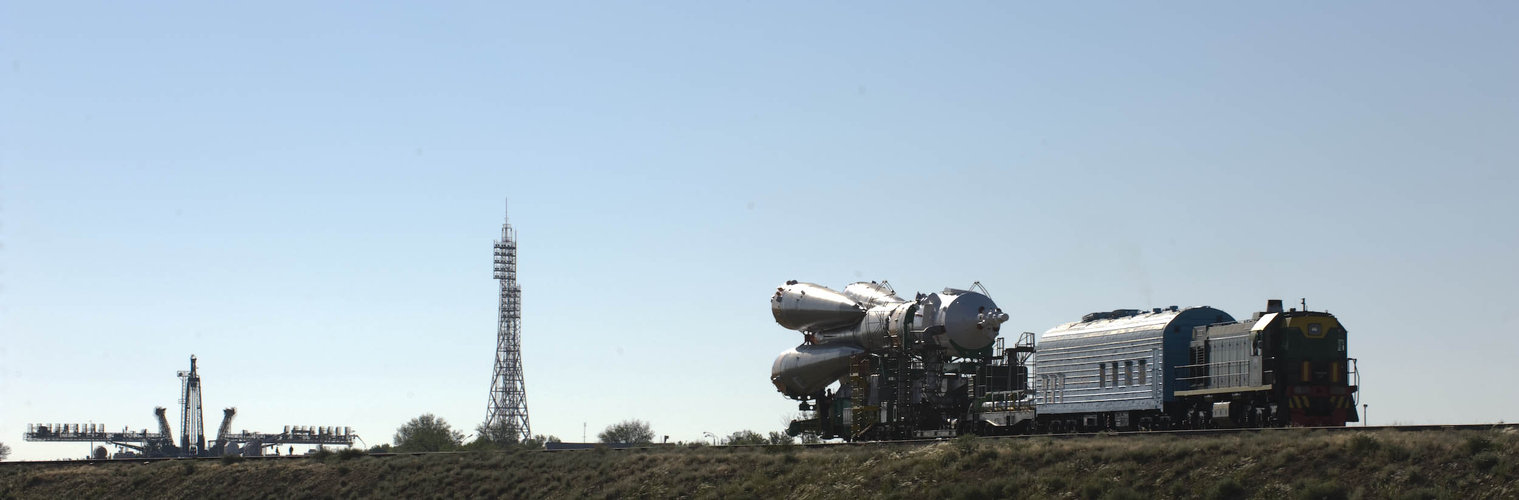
pixel 508 403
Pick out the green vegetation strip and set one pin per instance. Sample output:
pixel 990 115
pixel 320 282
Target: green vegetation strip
pixel 1304 464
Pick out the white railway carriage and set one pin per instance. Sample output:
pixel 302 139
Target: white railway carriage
pixel 1114 370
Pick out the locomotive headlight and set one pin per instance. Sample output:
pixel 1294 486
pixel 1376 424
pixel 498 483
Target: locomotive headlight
pixel 1315 331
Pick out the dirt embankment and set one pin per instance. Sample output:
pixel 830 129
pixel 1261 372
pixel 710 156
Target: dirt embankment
pixel 1290 464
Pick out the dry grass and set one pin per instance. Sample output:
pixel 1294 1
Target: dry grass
pixel 1288 464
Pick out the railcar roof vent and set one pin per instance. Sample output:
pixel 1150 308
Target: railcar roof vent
pixel 1155 310
pixel 1274 306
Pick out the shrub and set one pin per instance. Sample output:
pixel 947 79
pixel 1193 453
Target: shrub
pixel 779 439
pixel 1485 461
pixel 1323 490
pixel 231 459
pixel 967 444
pixel 1476 444
pixel 350 453
pixel 627 431
pixel 427 433
pixel 1363 444
pixel 1122 493
pixel 1227 489
pixel 745 437
pixel 1395 452
pixel 1420 494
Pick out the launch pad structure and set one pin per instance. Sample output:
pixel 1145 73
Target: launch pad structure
pixel 508 397
pixel 191 441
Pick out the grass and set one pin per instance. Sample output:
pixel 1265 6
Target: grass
pixel 1276 464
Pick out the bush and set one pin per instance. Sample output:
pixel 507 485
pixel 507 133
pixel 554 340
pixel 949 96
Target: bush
pixel 627 431
pixel 427 433
pixel 1323 490
pixel 1476 444
pixel 1485 461
pixel 1227 489
pixel 350 453
pixel 231 459
pixel 1363 444
pixel 744 438
pixel 967 444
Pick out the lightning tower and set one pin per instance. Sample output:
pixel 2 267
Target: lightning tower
pixel 508 404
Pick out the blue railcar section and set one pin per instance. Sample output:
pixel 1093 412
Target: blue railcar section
pixel 1117 361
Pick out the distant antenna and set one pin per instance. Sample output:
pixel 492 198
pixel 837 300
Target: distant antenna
pixel 508 401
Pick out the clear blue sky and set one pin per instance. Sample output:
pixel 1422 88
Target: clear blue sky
pixel 304 195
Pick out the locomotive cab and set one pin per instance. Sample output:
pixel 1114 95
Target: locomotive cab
pixel 1311 369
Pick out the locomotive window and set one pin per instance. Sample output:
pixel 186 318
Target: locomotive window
pixel 1128 373
pixel 1141 372
pixel 1102 375
pixel 1115 373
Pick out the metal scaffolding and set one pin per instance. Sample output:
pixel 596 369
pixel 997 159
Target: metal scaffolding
pixel 192 438
pixel 508 398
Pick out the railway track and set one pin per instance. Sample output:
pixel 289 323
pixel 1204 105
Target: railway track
pixel 909 442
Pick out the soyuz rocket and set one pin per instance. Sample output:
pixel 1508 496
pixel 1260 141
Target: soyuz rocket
pixel 869 318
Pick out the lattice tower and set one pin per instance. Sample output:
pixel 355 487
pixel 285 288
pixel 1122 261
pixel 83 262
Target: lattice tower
pixel 508 403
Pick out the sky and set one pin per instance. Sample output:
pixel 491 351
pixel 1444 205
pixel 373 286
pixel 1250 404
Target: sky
pixel 304 195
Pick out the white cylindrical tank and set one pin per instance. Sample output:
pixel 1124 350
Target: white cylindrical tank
pixel 876 330
pixel 971 321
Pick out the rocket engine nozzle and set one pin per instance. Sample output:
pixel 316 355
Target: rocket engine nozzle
pixel 992 320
